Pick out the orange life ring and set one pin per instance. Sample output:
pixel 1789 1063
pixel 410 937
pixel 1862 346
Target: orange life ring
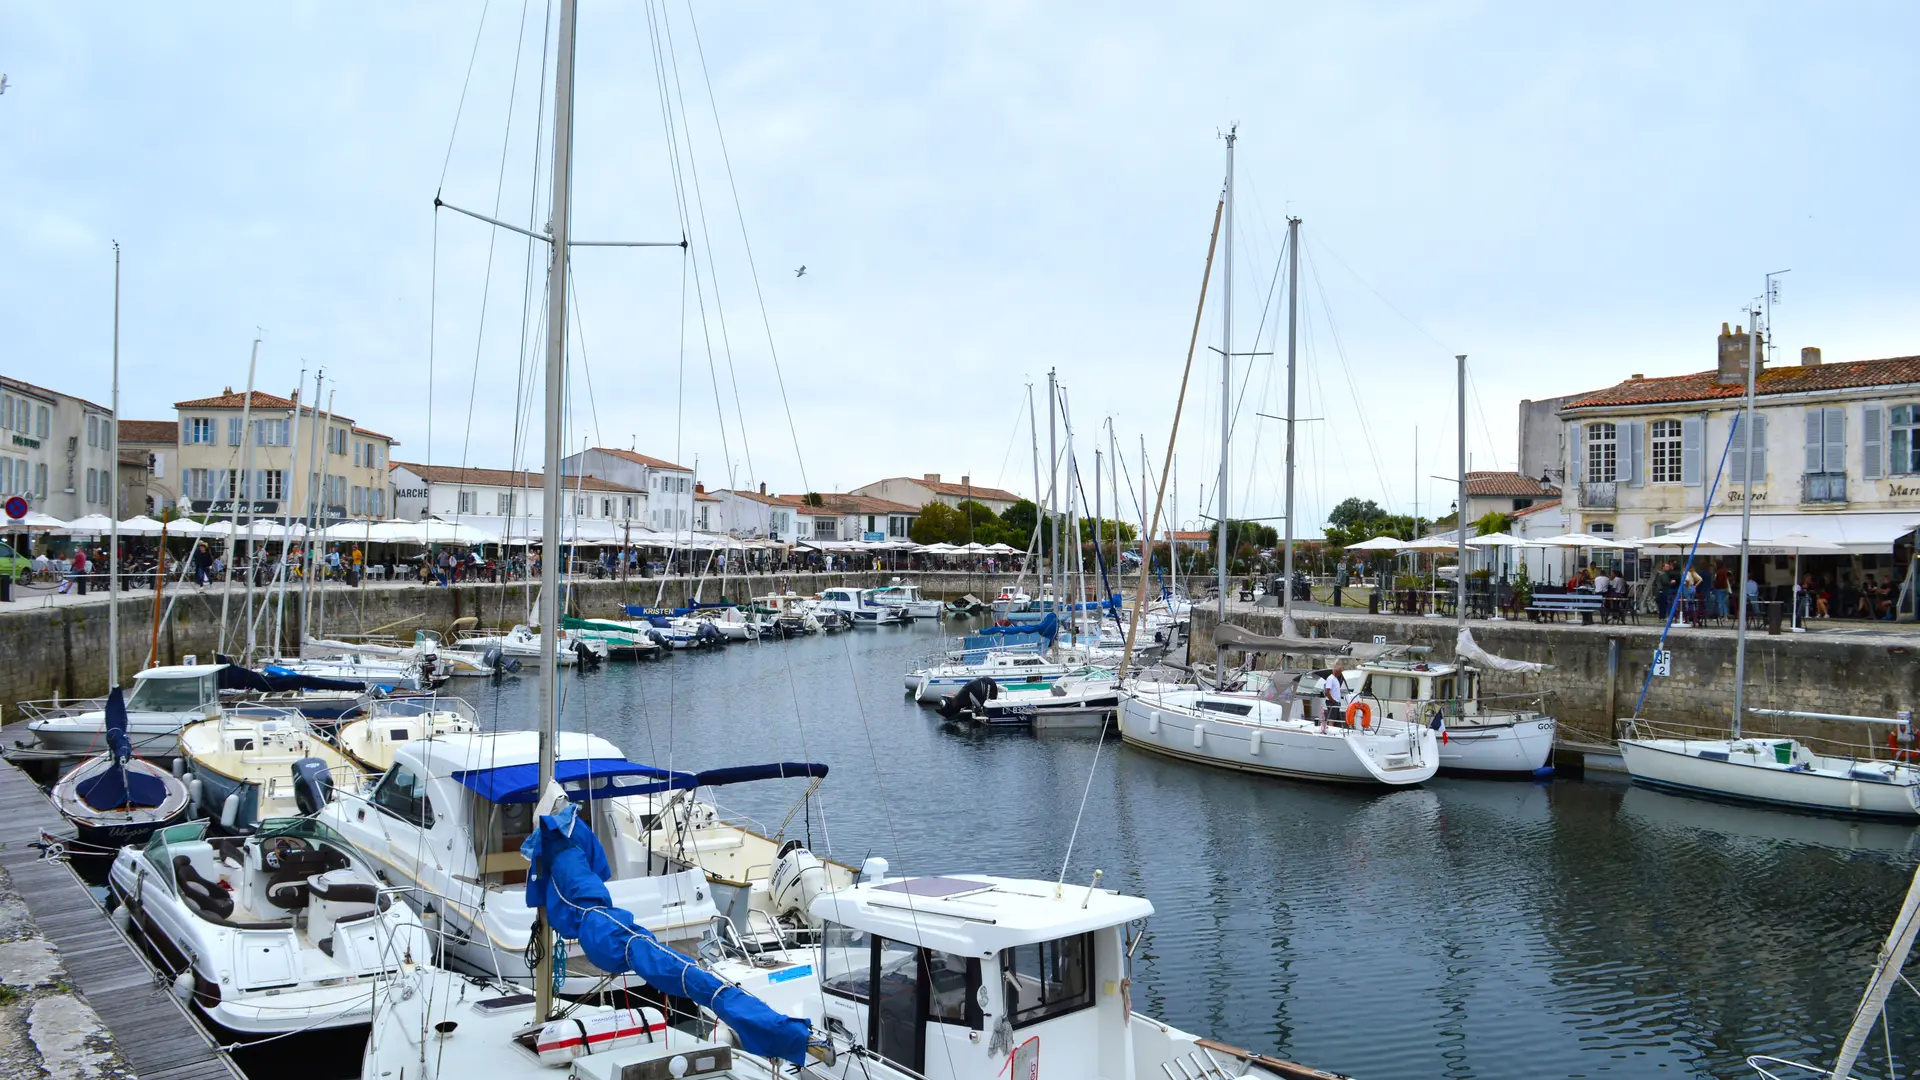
pixel 1365 710
pixel 1901 753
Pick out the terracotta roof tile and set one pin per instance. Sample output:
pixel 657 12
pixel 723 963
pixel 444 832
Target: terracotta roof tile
pixel 836 503
pixel 149 431
pixel 948 487
pixel 1703 385
pixel 641 459
pixel 508 478
pixel 20 384
pixel 755 496
pixel 1535 508
pixel 1507 483
pixel 232 400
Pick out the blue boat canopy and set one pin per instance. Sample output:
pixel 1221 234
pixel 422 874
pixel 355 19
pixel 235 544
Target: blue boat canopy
pixel 583 779
pixel 115 787
pixel 736 774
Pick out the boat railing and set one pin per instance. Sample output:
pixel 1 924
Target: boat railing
pixel 54 708
pixel 1862 742
pixel 425 704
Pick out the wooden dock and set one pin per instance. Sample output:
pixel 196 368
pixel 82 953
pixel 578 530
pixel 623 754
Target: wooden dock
pixel 153 1031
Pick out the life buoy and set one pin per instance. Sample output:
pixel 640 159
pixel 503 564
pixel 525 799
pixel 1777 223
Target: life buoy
pixel 1900 752
pixel 1365 710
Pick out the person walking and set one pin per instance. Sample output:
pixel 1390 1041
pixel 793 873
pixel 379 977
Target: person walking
pixel 355 560
pixel 80 570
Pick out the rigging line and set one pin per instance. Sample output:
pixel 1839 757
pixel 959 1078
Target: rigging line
pixel 493 237
pixel 753 268
pixel 580 332
pixel 464 83
pixel 1377 295
pixel 713 270
pixel 1019 414
pixel 1353 389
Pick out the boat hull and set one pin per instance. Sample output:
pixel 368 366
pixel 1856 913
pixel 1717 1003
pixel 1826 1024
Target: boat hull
pixel 1742 776
pixel 115 828
pixel 1340 756
pixel 1521 748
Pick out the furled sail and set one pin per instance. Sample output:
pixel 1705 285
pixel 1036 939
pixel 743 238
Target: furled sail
pixel 115 786
pixel 567 880
pixel 1465 648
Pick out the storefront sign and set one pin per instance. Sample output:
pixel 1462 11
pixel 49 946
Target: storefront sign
pixel 22 440
pixel 1735 495
pixel 218 507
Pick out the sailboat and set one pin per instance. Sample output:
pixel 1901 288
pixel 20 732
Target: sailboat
pixel 116 798
pixel 1251 733
pixel 1774 770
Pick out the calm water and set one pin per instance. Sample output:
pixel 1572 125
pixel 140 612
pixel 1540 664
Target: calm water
pixel 1472 929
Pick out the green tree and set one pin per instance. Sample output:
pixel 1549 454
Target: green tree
pixel 1353 510
pixel 1493 521
pixel 937 524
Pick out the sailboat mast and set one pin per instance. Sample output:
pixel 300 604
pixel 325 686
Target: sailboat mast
pixel 233 493
pixel 550 546
pixel 1053 488
pixel 1226 414
pixel 1293 337
pixel 313 507
pixel 286 531
pixel 1746 526
pixel 1460 501
pixel 113 502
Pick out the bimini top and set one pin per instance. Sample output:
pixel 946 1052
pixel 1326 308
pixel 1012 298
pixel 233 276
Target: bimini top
pixel 975 915
pixel 584 779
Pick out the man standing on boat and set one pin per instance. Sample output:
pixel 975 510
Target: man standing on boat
pixel 1334 687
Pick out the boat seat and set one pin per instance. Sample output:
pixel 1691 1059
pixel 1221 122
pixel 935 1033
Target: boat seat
pixel 201 892
pixel 339 896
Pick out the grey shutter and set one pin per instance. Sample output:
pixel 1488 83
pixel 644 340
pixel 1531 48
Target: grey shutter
pixel 1574 473
pixel 1690 451
pixel 1815 441
pixel 1758 457
pixel 185 434
pixel 1636 433
pixel 1873 452
pixel 1836 439
pixel 233 431
pixel 1737 456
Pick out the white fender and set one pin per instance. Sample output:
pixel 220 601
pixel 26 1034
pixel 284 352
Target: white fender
pixel 230 811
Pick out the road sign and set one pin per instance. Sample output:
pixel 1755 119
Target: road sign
pixel 1663 662
pixel 16 508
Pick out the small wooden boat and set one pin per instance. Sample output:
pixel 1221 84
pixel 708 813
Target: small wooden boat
pixel 115 798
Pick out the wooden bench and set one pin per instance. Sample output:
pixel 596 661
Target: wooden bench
pixel 1585 605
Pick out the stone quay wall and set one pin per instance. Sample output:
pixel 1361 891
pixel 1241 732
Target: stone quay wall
pixel 60 650
pixel 1597 672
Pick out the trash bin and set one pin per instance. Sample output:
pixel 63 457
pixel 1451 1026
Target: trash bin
pixel 1773 616
pixel 6 588
pixel 1373 602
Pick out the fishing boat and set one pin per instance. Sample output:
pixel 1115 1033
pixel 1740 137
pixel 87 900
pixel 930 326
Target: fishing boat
pixel 246 767
pixel 861 606
pixel 116 798
pixel 280 931
pixel 1773 770
pixel 1482 735
pixel 907 599
pixel 369 741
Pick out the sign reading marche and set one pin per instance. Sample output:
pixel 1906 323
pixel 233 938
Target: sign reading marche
pixel 1663 661
pixel 16 508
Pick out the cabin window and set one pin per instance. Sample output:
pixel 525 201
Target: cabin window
pixel 1048 978
pixel 953 989
pixel 242 745
pixel 1231 708
pixel 398 734
pixel 403 793
pixel 846 961
pixel 1391 687
pixel 1443 689
pixel 166 695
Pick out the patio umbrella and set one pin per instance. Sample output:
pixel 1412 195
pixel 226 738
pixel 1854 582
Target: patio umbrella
pixel 1794 544
pixel 140 525
pixel 35 521
pixel 90 525
pixel 1378 543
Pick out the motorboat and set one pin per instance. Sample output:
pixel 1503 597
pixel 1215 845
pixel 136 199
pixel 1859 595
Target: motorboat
pixel 782 615
pixel 1007 667
pixel 422 674
pixel 116 798
pixel 1010 599
pixel 1278 738
pixel 1087 698
pixel 164 700
pixel 620 640
pixel 446 822
pixel 859 605
pixel 1480 736
pixel 1771 770
pixel 280 931
pixel 522 645
pixel 369 741
pixel 907 599
pixel 245 768
pixel 426 643
pixel 728 620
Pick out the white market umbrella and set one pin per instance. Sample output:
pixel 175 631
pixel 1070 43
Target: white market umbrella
pixel 1003 549
pixel 1431 543
pixel 975 547
pixel 1585 540
pixel 140 525
pixel 90 525
pixel 1498 540
pixel 35 521
pixel 185 527
pixel 455 532
pixel 1378 543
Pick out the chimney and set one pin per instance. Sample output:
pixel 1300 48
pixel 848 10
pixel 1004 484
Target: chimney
pixel 225 391
pixel 932 477
pixel 699 488
pixel 966 481
pixel 1810 356
pixel 1735 348
pixel 763 487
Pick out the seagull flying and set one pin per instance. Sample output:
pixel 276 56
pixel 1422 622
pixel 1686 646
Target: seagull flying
pixel 802 272
pixel 3 82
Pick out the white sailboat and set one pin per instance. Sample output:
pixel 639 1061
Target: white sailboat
pixel 1773 770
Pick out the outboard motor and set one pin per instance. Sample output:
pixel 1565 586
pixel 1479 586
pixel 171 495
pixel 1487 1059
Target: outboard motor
pixel 588 659
pixel 658 638
pixel 312 785
pixel 708 633
pixel 798 877
pixel 493 660
pixel 970 697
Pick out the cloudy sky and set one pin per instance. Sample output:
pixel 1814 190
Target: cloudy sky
pixel 980 192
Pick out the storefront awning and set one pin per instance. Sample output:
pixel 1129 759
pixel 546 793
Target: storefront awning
pixel 1857 533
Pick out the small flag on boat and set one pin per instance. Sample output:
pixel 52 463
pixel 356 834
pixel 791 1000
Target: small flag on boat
pixel 1439 724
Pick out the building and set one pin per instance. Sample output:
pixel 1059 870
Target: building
pixel 669 488
pixel 837 516
pixel 463 493
pixel 1504 493
pixel 1542 451
pixel 753 514
pixel 56 450
pixel 1834 453
pixel 149 467
pixel 930 488
pixel 274 470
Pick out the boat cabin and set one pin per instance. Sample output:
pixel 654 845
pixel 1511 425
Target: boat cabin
pixel 946 976
pixel 176 688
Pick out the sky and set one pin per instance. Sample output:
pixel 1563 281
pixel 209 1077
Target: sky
pixel 980 192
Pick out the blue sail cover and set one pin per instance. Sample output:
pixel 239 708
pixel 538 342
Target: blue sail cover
pixel 116 787
pixel 1048 627
pixel 566 879
pixel 735 774
pixel 583 778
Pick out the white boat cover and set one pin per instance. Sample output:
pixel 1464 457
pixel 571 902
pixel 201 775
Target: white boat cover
pixel 1465 648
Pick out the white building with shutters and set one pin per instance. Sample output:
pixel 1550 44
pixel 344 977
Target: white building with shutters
pixel 1835 451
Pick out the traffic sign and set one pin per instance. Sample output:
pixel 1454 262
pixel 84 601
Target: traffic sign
pixel 16 508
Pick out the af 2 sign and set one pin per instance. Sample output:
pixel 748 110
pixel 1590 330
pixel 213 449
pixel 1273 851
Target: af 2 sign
pixel 1663 662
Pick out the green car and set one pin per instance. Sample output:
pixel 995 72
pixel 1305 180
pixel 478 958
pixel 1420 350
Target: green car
pixel 17 567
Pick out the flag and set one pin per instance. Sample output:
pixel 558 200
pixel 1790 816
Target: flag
pixel 1439 724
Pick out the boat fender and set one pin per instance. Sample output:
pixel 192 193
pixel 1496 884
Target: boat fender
pixel 798 878
pixel 230 811
pixel 196 795
pixel 182 987
pixel 1366 714
pixel 180 767
pixel 561 1041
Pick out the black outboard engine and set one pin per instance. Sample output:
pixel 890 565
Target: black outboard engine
pixel 587 659
pixel 970 697
pixel 312 785
pixel 659 639
pixel 494 659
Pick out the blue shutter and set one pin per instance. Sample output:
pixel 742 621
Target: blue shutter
pixel 1836 439
pixel 1690 451
pixel 1758 456
pixel 1816 442
pixel 1873 452
pixel 1636 436
pixel 1737 456
pixel 1575 473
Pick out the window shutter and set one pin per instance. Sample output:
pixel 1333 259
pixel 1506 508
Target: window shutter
pixel 1636 435
pixel 233 431
pixel 1737 456
pixel 186 436
pixel 1575 473
pixel 259 484
pixel 1690 451
pixel 1873 452
pixel 1815 441
pixel 1836 440
pixel 1758 458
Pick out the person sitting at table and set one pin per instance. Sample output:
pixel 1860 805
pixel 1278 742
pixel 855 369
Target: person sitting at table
pixel 1869 590
pixel 1601 581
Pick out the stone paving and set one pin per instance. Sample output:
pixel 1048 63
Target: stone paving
pixel 46 1030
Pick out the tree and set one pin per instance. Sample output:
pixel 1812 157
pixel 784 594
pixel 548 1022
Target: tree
pixel 938 523
pixel 1353 510
pixel 1020 518
pixel 1493 521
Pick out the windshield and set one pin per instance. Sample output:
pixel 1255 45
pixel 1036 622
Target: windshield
pixel 168 695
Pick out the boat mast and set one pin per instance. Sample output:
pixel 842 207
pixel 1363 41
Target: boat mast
pixel 1226 418
pixel 313 506
pixel 1460 501
pixel 233 493
pixel 1113 481
pixel 1746 526
pixel 316 557
pixel 1053 489
pixel 113 502
pixel 1293 335
pixel 286 532
pixel 1033 430
pixel 550 547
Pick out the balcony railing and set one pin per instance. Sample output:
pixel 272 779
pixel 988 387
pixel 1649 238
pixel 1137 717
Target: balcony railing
pixel 1598 495
pixel 1823 488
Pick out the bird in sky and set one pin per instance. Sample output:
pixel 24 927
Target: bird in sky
pixel 3 82
pixel 802 272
